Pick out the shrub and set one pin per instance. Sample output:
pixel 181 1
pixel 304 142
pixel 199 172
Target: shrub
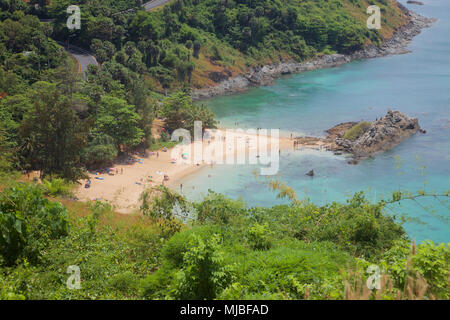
pixel 57 187
pixel 259 236
pixel 173 251
pixel 290 269
pixel 204 274
pixel 356 131
pixel 28 222
pixel 432 262
pixel 404 262
pixel 193 267
pixel 126 282
pixel 216 208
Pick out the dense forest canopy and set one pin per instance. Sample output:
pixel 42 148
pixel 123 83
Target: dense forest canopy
pixel 190 36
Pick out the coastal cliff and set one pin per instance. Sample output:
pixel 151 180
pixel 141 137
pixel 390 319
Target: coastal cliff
pixel 267 74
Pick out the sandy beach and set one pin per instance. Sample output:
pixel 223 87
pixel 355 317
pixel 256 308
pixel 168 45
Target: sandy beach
pixel 123 187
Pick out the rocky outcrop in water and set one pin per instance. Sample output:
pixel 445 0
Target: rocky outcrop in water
pixel 266 75
pixel 364 139
pixel 382 135
pixel 415 2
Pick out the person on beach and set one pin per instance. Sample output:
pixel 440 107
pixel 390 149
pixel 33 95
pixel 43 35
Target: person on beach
pixel 181 187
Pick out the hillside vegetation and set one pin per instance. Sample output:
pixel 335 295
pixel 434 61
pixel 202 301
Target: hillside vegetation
pixel 204 41
pixel 224 250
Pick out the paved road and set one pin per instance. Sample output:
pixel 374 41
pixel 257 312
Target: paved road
pixel 153 4
pixel 85 58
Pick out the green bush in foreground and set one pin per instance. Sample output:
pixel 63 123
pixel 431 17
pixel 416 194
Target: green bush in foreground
pixel 297 251
pixel 28 222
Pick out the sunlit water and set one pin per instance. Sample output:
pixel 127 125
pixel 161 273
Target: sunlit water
pixel 417 84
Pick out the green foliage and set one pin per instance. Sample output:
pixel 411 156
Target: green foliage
pixel 57 187
pixel 125 282
pixel 8 292
pixel 49 127
pixel 252 254
pixel 197 269
pixel 290 270
pixel 100 151
pixel 356 131
pixel 6 154
pixel 163 202
pixel 173 251
pixel 427 259
pixel 358 226
pixel 432 262
pixel 160 144
pixel 164 206
pixel 180 113
pixel 217 209
pixel 111 261
pixel 203 274
pixel 259 237
pixel 28 223
pixel 120 121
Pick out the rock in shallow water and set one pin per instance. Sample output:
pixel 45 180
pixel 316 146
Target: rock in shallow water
pixel 382 135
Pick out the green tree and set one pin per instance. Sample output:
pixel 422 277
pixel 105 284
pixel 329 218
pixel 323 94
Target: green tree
pixel 179 112
pixel 52 136
pixel 119 120
pixel 101 150
pixel 6 153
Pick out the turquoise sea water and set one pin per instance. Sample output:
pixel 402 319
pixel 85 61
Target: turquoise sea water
pixel 417 84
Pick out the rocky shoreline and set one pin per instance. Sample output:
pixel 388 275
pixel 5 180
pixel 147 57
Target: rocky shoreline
pixel 365 139
pixel 267 74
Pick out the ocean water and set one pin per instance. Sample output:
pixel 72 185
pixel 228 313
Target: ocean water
pixel 417 83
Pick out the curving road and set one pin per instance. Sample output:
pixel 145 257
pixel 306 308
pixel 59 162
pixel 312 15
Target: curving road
pixel 84 57
pixel 153 4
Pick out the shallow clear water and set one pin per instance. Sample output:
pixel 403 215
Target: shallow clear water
pixel 417 84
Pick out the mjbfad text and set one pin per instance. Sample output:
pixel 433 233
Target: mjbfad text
pixel 234 310
pixel 246 309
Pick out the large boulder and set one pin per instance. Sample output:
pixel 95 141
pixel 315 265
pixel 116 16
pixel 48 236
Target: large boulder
pixel 382 135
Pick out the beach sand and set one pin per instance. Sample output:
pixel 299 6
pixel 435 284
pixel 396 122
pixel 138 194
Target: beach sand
pixel 122 190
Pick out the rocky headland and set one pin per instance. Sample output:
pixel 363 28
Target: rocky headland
pixel 267 74
pixel 365 139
